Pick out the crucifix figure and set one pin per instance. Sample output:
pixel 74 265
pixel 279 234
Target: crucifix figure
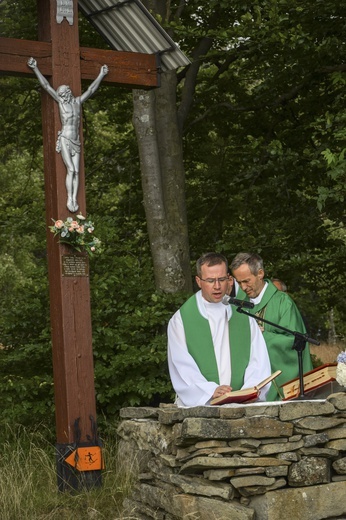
pixel 68 142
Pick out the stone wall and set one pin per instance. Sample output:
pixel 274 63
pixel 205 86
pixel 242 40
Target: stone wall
pixel 277 461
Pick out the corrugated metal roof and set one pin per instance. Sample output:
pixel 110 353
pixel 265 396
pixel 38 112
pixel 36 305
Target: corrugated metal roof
pixel 128 26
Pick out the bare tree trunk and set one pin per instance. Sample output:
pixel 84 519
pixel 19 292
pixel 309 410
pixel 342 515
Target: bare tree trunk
pixel 158 131
pixel 332 330
pixel 163 182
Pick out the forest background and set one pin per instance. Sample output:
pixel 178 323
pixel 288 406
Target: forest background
pixel 244 151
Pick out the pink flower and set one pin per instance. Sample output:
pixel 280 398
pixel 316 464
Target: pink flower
pixel 59 224
pixel 80 229
pixel 74 224
pixel 93 248
pixel 90 230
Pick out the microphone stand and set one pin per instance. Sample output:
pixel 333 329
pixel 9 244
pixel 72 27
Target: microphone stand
pixel 300 339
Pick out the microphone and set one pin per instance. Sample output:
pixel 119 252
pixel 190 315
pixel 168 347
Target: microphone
pixel 229 300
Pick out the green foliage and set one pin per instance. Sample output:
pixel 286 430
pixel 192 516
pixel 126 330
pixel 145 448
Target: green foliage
pixel 264 145
pixel 25 360
pixel 129 325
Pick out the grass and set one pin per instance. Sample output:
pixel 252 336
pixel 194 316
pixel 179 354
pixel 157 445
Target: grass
pixel 28 482
pixel 326 353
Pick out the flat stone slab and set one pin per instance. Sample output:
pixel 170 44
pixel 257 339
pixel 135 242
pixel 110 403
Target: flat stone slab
pixel 254 427
pixel 314 503
pixel 204 463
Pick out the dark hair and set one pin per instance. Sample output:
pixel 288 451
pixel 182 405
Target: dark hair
pixel 254 262
pixel 210 259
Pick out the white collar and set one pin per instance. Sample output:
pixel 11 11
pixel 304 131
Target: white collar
pixel 203 305
pixel 260 296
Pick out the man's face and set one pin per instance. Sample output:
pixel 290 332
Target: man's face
pixel 252 284
pixel 214 282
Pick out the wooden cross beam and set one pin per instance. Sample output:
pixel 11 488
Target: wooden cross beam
pixel 130 69
pixel 60 58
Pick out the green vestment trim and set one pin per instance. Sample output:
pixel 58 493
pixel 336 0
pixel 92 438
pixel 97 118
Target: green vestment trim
pixel 200 344
pixel 279 308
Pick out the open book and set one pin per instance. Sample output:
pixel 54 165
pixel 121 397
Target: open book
pixel 244 395
pixel 314 379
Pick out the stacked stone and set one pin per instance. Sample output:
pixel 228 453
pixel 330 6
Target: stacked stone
pixel 272 461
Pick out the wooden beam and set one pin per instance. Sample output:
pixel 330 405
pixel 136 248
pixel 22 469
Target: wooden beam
pixel 130 69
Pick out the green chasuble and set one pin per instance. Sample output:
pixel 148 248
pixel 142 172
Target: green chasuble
pixel 200 344
pixel 278 307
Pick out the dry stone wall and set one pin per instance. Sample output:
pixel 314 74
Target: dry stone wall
pixel 277 461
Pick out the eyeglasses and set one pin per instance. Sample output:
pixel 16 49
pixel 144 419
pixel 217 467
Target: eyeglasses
pixel 213 281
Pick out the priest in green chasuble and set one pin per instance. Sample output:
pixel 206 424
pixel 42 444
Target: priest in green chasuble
pixel 279 308
pixel 213 349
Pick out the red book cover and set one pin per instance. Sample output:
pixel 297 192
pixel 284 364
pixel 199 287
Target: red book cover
pixel 245 395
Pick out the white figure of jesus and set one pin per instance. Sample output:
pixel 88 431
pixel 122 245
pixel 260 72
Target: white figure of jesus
pixel 68 143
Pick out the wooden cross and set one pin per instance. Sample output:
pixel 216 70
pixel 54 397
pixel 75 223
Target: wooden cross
pixel 61 59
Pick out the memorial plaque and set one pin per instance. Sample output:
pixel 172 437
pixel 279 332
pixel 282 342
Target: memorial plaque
pixel 64 9
pixel 75 265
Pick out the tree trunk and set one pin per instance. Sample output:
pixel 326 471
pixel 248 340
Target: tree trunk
pixel 163 182
pixel 332 330
pixel 158 127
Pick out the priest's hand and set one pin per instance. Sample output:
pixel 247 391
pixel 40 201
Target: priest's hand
pixel 221 390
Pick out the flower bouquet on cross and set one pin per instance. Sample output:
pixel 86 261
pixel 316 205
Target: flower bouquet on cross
pixel 77 233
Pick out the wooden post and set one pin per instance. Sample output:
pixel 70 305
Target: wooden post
pixel 75 407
